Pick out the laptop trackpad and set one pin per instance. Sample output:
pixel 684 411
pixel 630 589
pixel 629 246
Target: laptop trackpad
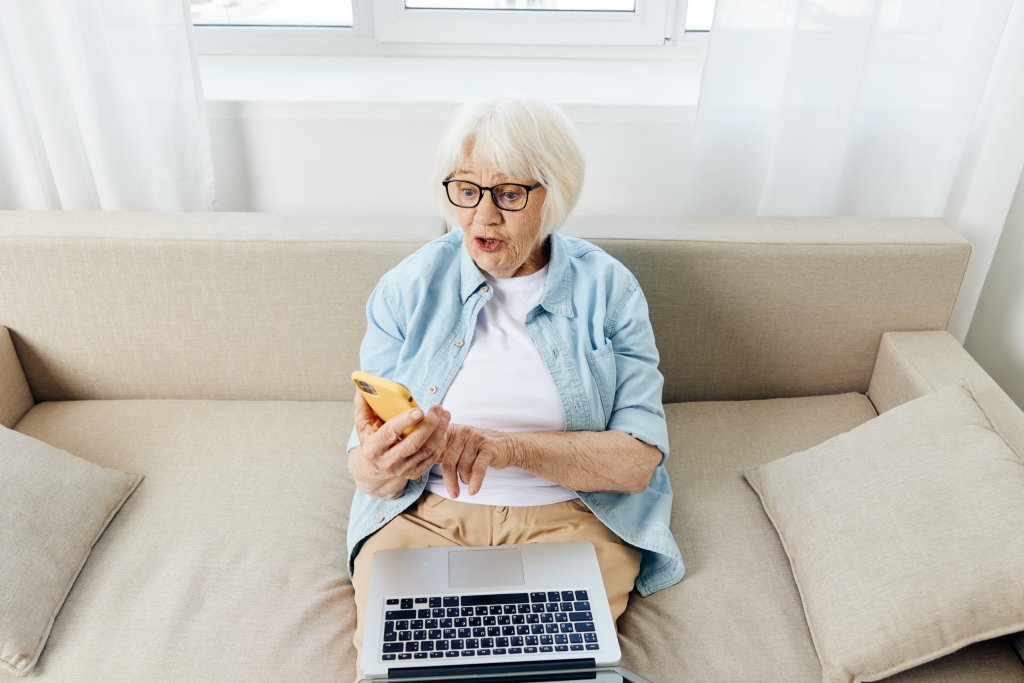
pixel 483 568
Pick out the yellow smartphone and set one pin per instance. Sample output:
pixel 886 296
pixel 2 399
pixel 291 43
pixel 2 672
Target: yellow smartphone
pixel 386 398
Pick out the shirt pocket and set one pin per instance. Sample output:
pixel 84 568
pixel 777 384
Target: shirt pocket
pixel 602 366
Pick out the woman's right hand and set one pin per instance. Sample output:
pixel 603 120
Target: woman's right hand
pixel 384 461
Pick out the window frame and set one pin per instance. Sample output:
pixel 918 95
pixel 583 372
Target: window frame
pixel 578 36
pixel 650 23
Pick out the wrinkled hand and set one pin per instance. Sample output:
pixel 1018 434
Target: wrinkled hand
pixel 384 456
pixel 468 452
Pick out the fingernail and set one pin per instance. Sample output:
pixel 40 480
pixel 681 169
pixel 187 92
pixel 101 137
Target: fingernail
pixel 417 414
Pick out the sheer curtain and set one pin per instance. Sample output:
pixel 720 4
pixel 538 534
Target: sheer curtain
pixel 101 107
pixel 865 107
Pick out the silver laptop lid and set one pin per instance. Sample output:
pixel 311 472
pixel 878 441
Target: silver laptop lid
pixel 505 590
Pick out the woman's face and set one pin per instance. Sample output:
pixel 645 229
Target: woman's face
pixel 502 243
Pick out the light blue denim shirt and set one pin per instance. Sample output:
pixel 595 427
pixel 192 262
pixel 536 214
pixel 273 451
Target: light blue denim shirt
pixel 593 331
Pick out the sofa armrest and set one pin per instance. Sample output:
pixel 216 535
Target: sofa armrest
pixel 912 364
pixel 15 396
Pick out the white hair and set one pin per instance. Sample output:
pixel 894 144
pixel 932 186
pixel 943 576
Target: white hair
pixel 524 138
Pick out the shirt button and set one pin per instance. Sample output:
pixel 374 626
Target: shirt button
pixel 458 343
pixel 380 520
pixel 485 289
pixel 432 390
pixel 554 353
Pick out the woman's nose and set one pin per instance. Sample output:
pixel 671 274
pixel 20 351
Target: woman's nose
pixel 486 212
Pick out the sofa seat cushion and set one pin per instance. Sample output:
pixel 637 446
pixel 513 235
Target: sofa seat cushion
pixel 229 564
pixel 737 615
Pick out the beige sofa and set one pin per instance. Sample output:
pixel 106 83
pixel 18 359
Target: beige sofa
pixel 211 353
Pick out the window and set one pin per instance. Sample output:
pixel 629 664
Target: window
pixel 570 28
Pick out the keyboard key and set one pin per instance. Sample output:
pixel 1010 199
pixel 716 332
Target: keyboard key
pixel 450 601
pixel 473 643
pixel 508 609
pixel 500 651
pixel 435 655
pixel 546 640
pixel 405 655
pixel 516 641
pixel 434 602
pixel 518 618
pixel 551 607
pixel 446 623
pixel 393 647
pixel 392 601
pixel 459 644
pixel 529 650
pixel 515 650
pixel 415 647
pixel 494 609
pixel 584 626
pixel 593 646
pixel 522 630
pixel 561 639
pixel 551 628
pixel 504 620
pixel 415 624
pixel 554 596
pixel 537 629
pixel 455 653
pixel 508 630
pixel 406 603
pixel 427 645
pixel 537 597
pixel 537 607
pixel 423 613
pixel 483 653
pixel 390 637
pixel 590 637
pixel 565 606
pixel 582 595
pixel 581 616
pixel 404 636
pixel 583 606
pixel 565 628
pixel 501 642
pixel 448 633
pixel 451 612
pixel 461 622
pixel 546 648
pixel 420 655
pixel 547 618
pixel 434 634
pixel 561 648
pixel 389 658
pixel 468 653
pixel 480 610
pixel 441 645
pixel 389 627
pixel 575 637
pixel 465 633
pixel 531 640
pixel 523 609
pixel 561 617
pixel 567 596
pixel 476 621
pixel 437 612
pixel 400 614
pixel 495 599
pixel 467 611
pixel 487 643
pixel 402 625
pixel 576 648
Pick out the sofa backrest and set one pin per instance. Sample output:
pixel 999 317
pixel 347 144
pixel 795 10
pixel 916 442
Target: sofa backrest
pixel 255 306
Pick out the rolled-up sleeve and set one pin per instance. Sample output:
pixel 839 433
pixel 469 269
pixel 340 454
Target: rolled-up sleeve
pixel 379 351
pixel 637 408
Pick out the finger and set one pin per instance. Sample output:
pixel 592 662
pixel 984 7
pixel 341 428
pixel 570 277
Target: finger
pixel 414 442
pixel 477 477
pixel 450 476
pixel 391 431
pixel 366 421
pixel 427 455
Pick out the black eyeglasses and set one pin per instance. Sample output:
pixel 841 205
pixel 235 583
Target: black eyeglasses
pixel 507 196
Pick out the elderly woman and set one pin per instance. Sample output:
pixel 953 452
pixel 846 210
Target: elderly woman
pixel 533 359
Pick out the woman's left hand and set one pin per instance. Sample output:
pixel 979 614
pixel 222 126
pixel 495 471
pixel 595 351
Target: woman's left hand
pixel 468 452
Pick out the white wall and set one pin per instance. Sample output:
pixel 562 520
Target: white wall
pixel 996 337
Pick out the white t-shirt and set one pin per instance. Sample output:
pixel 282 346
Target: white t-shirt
pixel 503 384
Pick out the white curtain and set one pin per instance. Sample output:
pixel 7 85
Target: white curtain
pixel 101 107
pixel 865 107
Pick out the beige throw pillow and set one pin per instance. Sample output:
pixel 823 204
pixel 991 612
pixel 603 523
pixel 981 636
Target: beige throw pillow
pixel 53 508
pixel 905 535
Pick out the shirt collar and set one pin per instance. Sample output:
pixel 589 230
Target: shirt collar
pixel 557 297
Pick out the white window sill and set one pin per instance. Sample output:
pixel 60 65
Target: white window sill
pixel 406 87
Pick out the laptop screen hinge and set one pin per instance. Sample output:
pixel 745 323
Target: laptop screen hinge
pixel 552 670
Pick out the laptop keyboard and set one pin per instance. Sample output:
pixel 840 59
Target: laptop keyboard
pixel 491 625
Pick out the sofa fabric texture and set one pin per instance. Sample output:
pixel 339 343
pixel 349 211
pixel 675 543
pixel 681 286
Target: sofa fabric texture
pixel 211 352
pixel 866 518
pixel 15 396
pixel 55 506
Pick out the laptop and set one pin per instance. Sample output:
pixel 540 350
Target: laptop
pixel 522 612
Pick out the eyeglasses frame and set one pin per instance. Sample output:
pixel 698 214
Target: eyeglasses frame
pixel 494 200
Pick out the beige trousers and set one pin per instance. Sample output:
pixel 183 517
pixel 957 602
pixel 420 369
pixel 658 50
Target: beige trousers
pixel 435 521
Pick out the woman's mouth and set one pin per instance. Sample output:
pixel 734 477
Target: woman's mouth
pixel 487 244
